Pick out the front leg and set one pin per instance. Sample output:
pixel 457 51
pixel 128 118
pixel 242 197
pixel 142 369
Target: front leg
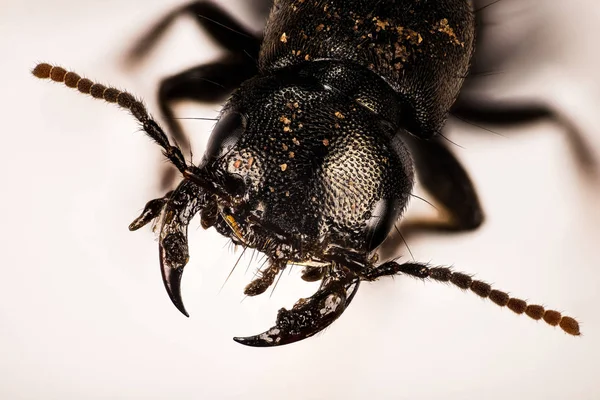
pixel 443 176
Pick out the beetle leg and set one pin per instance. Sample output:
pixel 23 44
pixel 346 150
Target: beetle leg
pixel 309 316
pixel 181 207
pixel 152 210
pixel 509 114
pixel 222 27
pixel 204 83
pixel 490 57
pixel 442 175
pixel 445 179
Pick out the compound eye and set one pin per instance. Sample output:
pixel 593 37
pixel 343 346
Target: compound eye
pixel 380 223
pixel 225 135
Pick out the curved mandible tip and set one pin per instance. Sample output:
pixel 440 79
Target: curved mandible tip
pixel 308 316
pixel 181 207
pixel 171 275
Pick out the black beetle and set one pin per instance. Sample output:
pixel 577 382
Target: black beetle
pixel 314 155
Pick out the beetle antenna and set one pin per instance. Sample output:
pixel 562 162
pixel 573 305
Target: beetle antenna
pixel 122 99
pixel 480 288
pixel 138 110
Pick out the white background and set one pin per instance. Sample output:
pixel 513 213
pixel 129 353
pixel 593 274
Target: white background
pixel 83 311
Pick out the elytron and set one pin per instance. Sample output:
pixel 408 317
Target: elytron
pixel 334 110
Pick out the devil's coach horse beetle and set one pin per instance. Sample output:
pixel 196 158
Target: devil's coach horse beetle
pixel 314 155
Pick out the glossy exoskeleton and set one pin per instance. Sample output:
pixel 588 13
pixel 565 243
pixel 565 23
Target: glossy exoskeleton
pixel 313 158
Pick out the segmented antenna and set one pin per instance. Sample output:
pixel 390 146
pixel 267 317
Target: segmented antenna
pixel 116 96
pixel 482 289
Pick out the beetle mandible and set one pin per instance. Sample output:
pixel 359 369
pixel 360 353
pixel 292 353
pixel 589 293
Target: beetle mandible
pixel 313 158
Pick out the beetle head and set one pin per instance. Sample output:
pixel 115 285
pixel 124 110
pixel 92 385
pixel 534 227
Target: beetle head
pixel 315 161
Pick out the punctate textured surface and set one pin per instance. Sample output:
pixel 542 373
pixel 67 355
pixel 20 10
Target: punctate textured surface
pixel 82 307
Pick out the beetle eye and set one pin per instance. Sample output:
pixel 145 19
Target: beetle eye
pixel 380 223
pixel 225 135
